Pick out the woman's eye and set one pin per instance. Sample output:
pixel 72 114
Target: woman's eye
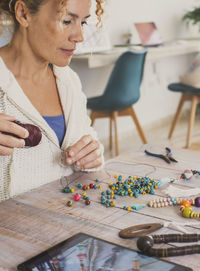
pixel 83 23
pixel 67 22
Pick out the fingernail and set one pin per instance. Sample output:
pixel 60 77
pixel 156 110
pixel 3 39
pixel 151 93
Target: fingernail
pixel 26 133
pixel 23 142
pixel 69 161
pixel 71 153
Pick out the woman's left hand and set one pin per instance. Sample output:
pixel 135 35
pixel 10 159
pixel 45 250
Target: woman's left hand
pixel 86 153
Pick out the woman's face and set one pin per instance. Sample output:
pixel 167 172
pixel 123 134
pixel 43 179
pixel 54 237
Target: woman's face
pixel 52 36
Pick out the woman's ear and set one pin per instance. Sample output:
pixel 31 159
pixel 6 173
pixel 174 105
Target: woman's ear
pixel 22 13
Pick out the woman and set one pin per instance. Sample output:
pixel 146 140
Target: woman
pixel 38 87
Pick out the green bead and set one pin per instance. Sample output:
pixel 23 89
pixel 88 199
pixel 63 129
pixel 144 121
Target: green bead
pixel 186 212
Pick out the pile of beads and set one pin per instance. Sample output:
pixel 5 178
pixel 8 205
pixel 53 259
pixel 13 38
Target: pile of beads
pixel 187 211
pixel 164 202
pixel 187 174
pixel 105 198
pixel 133 186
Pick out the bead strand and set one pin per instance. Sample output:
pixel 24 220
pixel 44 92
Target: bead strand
pixel 164 202
pixel 187 211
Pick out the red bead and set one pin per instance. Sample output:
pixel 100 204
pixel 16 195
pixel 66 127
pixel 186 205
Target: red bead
pixel 77 197
pixel 91 185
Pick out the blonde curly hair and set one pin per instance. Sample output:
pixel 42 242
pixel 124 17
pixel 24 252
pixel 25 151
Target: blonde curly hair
pixel 7 7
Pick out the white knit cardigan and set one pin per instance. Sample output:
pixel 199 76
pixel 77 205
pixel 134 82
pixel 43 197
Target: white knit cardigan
pixel 29 168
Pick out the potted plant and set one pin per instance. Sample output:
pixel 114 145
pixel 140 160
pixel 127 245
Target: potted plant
pixel 192 16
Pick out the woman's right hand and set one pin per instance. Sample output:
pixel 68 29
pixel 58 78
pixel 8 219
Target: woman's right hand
pixel 9 142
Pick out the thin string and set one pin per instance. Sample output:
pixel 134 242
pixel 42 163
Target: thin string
pixel 134 164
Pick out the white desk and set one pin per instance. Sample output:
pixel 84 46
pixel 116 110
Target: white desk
pixel 174 48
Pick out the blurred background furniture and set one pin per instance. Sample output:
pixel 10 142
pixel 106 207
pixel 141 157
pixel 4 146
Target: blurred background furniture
pixel 188 94
pixel 121 92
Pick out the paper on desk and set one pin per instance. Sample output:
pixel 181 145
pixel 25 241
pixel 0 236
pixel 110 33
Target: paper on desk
pixel 179 226
pixel 173 191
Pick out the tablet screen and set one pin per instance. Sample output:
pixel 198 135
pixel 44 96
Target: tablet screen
pixel 85 253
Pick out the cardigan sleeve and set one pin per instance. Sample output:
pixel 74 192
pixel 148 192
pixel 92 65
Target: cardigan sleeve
pixel 80 106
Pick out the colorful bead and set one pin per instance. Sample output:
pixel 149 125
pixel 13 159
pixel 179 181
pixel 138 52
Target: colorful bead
pixel 84 187
pixel 186 212
pixel 69 203
pixel 77 197
pixel 197 202
pixel 186 203
pixel 87 202
pixel 187 174
pixel 112 204
pixel 67 189
pixel 91 185
pixel 72 190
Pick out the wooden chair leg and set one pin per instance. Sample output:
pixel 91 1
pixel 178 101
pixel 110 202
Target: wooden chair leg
pixel 92 116
pixel 191 121
pixel 138 126
pixel 177 115
pixel 110 142
pixel 114 116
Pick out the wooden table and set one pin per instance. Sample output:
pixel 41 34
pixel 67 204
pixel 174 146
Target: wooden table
pixel 37 220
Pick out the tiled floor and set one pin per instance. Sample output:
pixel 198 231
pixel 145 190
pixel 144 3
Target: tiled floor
pixel 159 136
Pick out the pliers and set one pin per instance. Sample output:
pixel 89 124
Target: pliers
pixel 167 158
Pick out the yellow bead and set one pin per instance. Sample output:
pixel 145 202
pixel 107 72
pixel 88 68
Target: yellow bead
pixel 155 186
pixel 99 186
pixel 88 187
pixel 72 190
pixel 111 192
pixel 112 203
pixel 110 184
pixel 186 212
pixel 113 188
pixel 116 176
pixel 128 208
pixel 131 195
pixel 84 194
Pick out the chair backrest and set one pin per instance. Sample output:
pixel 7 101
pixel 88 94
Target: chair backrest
pixel 123 87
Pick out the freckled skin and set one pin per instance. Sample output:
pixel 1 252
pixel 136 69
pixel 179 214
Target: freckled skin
pixel 47 34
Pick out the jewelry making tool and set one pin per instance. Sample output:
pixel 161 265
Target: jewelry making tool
pixel 168 158
pixel 145 244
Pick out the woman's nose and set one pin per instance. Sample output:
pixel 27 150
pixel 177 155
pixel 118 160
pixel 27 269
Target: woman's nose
pixel 78 34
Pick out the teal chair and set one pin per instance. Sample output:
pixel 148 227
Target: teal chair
pixel 121 92
pixel 191 94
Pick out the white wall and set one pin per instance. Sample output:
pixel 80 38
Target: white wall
pixel 156 102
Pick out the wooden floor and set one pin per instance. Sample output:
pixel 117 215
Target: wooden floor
pixel 159 136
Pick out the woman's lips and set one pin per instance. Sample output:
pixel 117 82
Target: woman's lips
pixel 68 52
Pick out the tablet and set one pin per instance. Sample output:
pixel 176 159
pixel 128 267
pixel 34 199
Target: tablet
pixel 83 252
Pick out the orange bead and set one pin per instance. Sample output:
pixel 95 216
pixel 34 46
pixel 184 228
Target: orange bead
pixel 186 203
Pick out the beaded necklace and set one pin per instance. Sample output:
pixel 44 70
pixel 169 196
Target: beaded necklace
pixel 187 174
pixel 185 205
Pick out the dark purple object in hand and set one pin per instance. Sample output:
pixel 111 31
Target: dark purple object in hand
pixel 35 134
